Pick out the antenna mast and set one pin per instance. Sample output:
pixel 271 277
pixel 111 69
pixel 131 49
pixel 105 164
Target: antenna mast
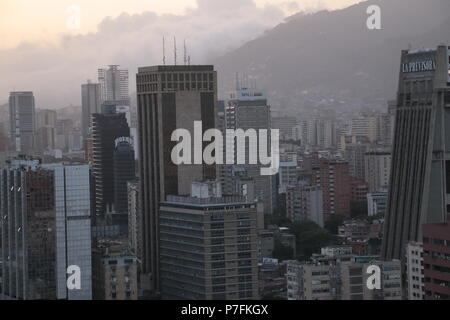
pixel 164 51
pixel 175 49
pixel 185 54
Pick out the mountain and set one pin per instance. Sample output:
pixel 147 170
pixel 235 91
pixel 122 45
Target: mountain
pixel 331 58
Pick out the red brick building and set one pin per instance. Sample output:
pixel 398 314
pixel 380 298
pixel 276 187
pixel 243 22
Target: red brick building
pixel 335 179
pixel 436 261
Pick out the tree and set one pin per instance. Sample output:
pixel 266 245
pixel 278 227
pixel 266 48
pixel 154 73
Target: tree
pixel 358 209
pixel 282 252
pixel 310 237
pixel 334 222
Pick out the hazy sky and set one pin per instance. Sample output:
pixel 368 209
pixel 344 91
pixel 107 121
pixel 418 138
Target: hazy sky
pixel 40 53
pixel 44 20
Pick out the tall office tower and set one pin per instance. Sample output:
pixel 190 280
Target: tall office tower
pixel 27 232
pixel 107 127
pixel 420 174
pixel 384 128
pixel 378 170
pixel 22 121
pixel 64 129
pixel 286 125
pixel 365 126
pixel 134 219
pixel 355 155
pixel 114 85
pixel 304 203
pixel 250 110
pixel 169 97
pixel 311 132
pixel 90 104
pixel 333 176
pixel 436 253
pixel 124 171
pixel 73 227
pixel 414 270
pixel 218 260
pixel 46 129
pixel 288 175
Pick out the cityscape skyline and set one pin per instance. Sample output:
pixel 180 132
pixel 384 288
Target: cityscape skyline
pixel 251 177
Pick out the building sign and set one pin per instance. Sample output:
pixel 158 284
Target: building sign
pixel 124 139
pixel 249 94
pixel 419 66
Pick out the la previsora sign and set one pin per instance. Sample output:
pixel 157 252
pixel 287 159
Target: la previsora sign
pixel 419 66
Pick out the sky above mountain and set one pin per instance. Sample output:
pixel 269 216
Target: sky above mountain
pixel 44 50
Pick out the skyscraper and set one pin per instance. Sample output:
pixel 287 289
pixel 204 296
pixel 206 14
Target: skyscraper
pixel 46 129
pixel 333 176
pixel 218 260
pixel 22 121
pixel 169 97
pixel 124 171
pixel 73 227
pixel 45 229
pixel 28 232
pixel 420 174
pixel 90 104
pixel 114 85
pixel 107 127
pixel 248 109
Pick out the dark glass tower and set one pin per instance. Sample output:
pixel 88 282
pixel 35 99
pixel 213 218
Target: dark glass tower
pixel 124 171
pixel 420 176
pixel 169 97
pixel 107 127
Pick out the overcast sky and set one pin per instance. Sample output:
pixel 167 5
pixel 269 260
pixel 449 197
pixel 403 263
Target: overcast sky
pixel 42 50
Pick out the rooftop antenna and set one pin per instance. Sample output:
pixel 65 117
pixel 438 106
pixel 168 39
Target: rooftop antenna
pixel 189 60
pixel 237 81
pixel 164 51
pixel 185 56
pixel 175 50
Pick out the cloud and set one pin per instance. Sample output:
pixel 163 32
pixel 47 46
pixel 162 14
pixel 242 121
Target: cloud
pixel 55 72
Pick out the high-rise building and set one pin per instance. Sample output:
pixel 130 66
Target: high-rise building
pixel 333 176
pixel 355 154
pixel 420 174
pixel 249 110
pixel 114 85
pixel 377 170
pixel 169 97
pixel 414 270
pixel 107 127
pixel 376 203
pixel 286 125
pixel 208 246
pixel 124 171
pixel 365 126
pixel 46 129
pixel 22 121
pixel 73 227
pixel 90 104
pixel 134 219
pixel 28 232
pixel 436 257
pixel 304 202
pixel 52 230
